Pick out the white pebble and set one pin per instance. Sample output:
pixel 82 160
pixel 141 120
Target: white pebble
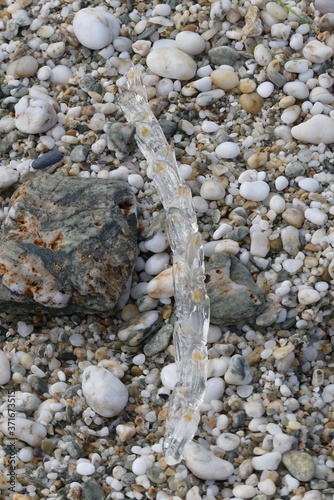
pixel 4 369
pixel 319 128
pixel 299 90
pixel 296 65
pixel 254 191
pixel 139 466
pixel 316 216
pixel 35 113
pixel 228 441
pixel 267 487
pixel 23 67
pixel 262 55
pixel 308 296
pixel 8 177
pixel 244 491
pixel 227 150
pixel 268 461
pixel 281 183
pixel 157 263
pixel 24 429
pixel 265 89
pixel 112 395
pixel 228 246
pixel 95 28
pixel 204 464
pixel 212 190
pixel 209 127
pixel 60 74
pixel 260 245
pixel 317 52
pixel 277 203
pixel 214 389
pixel 171 63
pixel 309 184
pixel 169 377
pixel 190 43
pixel 328 393
pixel 85 468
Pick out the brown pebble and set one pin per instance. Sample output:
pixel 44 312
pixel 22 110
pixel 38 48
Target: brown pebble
pixel 189 27
pixel 293 217
pixel 247 86
pixel 276 244
pixel 252 103
pixel 257 160
pixel 255 356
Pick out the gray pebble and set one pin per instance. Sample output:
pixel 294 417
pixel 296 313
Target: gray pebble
pixel 71 391
pixel 207 98
pixel 122 136
pixel 91 490
pixel 47 159
pixel 147 33
pixel 140 327
pixel 74 449
pixel 7 142
pixel 88 83
pixel 318 484
pixel 290 240
pixel 237 234
pixel 168 127
pixel 159 342
pixel 79 154
pixel 294 169
pixel 223 55
pixel 11 30
pixel 26 402
pixel 156 475
pixel 299 464
pixel 38 384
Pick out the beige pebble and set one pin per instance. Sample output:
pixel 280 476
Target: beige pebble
pixel 247 86
pixel 125 431
pixel 225 79
pixel 287 101
pixel 257 160
pixel 293 217
pixel 27 361
pixel 228 246
pixel 129 312
pixel 22 67
pixel 162 285
pixel 252 103
pixel 282 352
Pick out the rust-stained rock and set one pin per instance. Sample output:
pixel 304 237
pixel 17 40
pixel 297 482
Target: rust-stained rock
pixel 69 245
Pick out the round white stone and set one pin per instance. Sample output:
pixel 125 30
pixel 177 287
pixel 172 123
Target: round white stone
pixel 244 491
pixel 267 487
pixel 212 190
pixel 4 369
pixel 277 203
pixel 95 28
pixel 319 128
pixel 308 296
pixel 262 55
pixel 112 395
pixel 292 265
pixel 60 74
pixel 309 184
pixel 228 441
pixel 169 377
pixel 156 263
pixel 316 216
pixel 171 63
pixel 55 50
pixel 85 468
pixel 281 183
pixel 200 204
pixel 265 89
pixel 254 191
pixel 139 466
pixel 190 43
pixel 227 150
pixel 290 114
pixel 209 127
pixel 44 73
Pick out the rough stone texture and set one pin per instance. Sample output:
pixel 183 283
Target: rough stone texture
pixel 234 296
pixel 69 245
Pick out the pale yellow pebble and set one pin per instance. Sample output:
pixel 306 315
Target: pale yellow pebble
pixel 294 425
pixel 247 85
pixel 228 246
pixel 225 79
pixel 125 431
pixel 287 101
pixel 282 352
pixel 162 285
pixel 27 361
pixel 252 103
pixel 257 160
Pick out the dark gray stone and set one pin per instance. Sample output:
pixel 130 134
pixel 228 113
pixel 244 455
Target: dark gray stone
pixel 223 55
pixel 237 234
pixel 169 128
pixel 7 142
pixel 159 342
pixel 91 490
pixel 234 296
pixel 47 160
pixel 122 137
pixel 69 246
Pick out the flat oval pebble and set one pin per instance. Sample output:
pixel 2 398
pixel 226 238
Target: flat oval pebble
pixel 319 128
pixel 190 43
pixel 299 464
pixel 308 296
pixel 224 78
pixel 4 369
pixel 228 441
pixel 310 185
pixel 316 216
pixel 204 464
pixel 112 395
pixel 244 491
pixel 212 190
pixel 254 191
pixel 47 159
pixel 95 27
pixel 85 468
pixel 140 327
pixel 23 67
pixel 171 63
pixel 227 150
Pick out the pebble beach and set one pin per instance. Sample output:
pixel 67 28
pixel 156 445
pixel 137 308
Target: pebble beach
pixel 244 92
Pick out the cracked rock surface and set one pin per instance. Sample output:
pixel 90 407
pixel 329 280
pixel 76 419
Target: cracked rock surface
pixel 69 245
